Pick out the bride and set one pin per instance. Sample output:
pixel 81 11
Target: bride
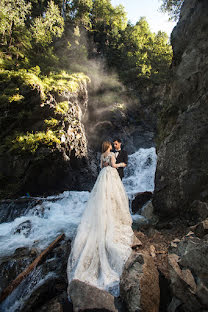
pixel 104 237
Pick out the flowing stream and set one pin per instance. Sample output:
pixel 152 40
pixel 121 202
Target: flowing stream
pixel 42 222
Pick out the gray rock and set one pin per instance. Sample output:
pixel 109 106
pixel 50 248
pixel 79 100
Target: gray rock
pixel 175 303
pixel 139 222
pixel 87 297
pixel 188 271
pixel 24 228
pixel 182 144
pixel 139 201
pixel 140 284
pixel 148 212
pixel 53 306
pixel 201 229
pixel 199 210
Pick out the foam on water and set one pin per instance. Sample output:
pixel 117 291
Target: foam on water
pixel 62 213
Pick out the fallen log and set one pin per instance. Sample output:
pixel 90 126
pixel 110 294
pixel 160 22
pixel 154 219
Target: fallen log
pixel 6 292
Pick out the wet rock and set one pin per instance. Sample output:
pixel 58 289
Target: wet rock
pixel 147 211
pixel 139 222
pixel 139 200
pixel 12 266
pixel 11 209
pixel 42 293
pixel 24 228
pixel 44 283
pixel 89 298
pixel 140 284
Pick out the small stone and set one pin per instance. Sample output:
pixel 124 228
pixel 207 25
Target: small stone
pixel 152 251
pixel 136 243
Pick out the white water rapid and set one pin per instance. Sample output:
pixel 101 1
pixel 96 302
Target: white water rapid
pixel 62 213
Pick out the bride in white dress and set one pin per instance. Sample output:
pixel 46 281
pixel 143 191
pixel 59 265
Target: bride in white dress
pixel 104 237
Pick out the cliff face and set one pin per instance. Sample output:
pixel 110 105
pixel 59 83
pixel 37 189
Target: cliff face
pixel 43 146
pixel 182 170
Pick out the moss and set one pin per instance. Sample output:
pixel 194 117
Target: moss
pixel 65 82
pixel 51 123
pixel 16 98
pixel 23 105
pixel 31 141
pixel 62 107
pixel 22 78
pixel 13 83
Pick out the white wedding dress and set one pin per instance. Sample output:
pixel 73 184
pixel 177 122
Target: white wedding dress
pixel 104 237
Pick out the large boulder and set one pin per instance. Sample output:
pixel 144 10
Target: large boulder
pixel 182 141
pixel 140 284
pixel 89 298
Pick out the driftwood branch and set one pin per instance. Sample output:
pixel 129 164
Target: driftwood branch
pixel 6 292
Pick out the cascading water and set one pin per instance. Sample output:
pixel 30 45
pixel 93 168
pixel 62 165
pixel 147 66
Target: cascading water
pixel 54 215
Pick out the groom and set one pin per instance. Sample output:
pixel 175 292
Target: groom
pixel 121 156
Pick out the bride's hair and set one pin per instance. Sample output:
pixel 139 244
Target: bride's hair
pixel 105 146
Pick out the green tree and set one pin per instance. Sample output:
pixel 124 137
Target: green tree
pixel 172 7
pixel 80 11
pixel 48 26
pixel 14 36
pixel 107 23
pixel 141 55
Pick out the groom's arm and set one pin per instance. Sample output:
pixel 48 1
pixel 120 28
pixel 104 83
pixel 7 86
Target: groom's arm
pixel 125 157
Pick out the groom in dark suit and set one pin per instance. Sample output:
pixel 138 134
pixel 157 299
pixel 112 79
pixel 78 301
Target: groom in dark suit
pixel 121 156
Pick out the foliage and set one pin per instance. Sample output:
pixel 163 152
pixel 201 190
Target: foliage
pixel 49 26
pixel 14 36
pixel 23 36
pixel 31 141
pixel 12 17
pixel 141 56
pixel 80 12
pixel 63 81
pixel 172 7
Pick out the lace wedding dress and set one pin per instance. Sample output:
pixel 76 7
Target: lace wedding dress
pixel 104 237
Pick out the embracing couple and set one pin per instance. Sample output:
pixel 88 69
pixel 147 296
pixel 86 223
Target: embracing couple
pixel 104 237
pixel 118 159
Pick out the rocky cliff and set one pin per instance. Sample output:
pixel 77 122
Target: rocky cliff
pixel 182 147
pixel 43 146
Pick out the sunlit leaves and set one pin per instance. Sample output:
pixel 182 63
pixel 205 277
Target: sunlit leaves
pixel 48 26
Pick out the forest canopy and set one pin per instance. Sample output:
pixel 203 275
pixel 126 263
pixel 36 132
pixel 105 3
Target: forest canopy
pixel 57 35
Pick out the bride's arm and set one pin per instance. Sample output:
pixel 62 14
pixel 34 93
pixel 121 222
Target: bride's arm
pixel 113 163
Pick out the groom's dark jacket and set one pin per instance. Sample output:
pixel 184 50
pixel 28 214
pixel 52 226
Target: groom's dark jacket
pixel 122 157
